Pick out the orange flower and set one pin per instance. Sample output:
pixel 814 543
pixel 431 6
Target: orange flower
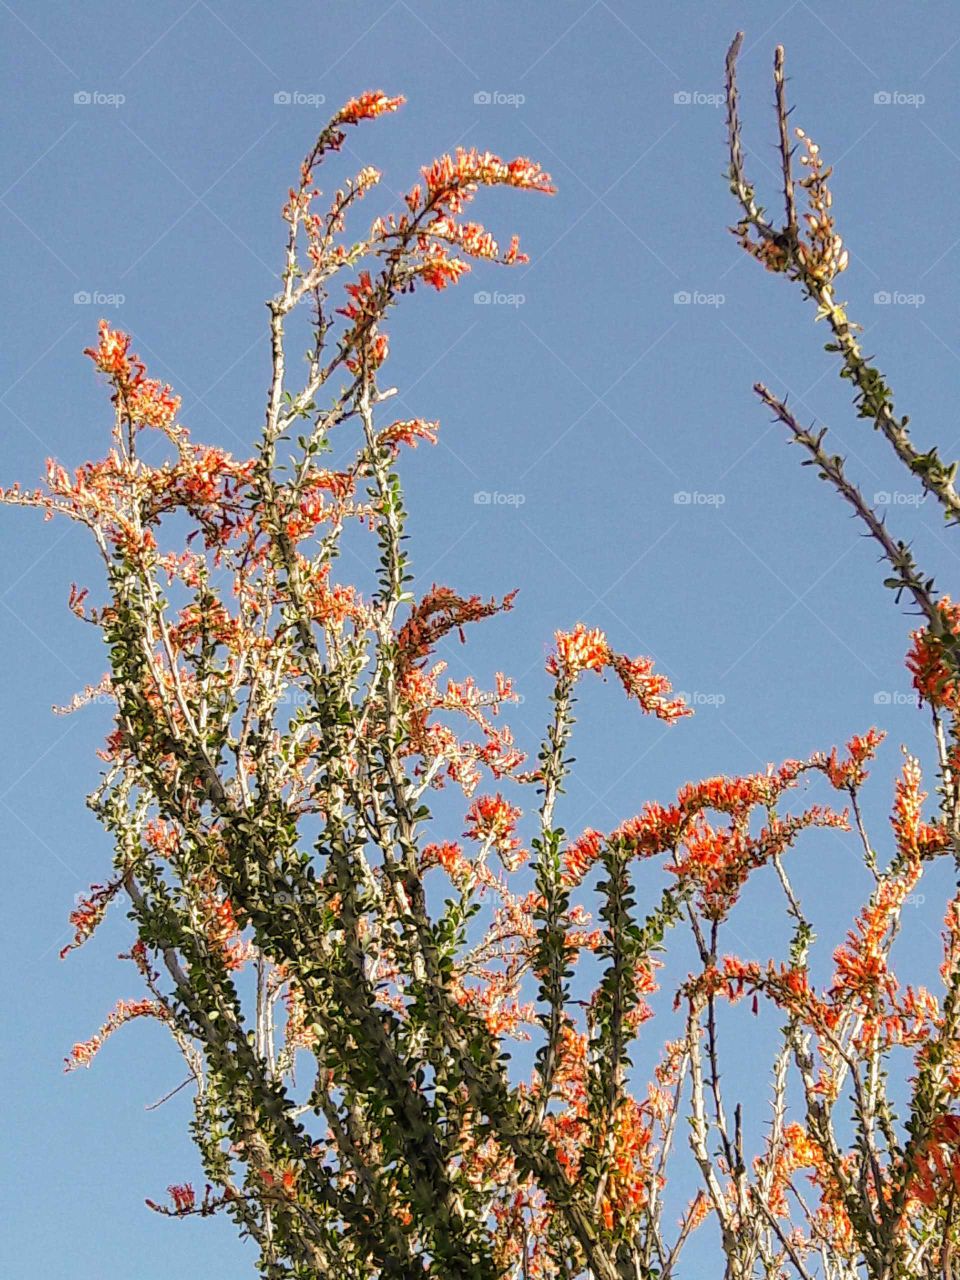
pixel 699 1211
pixel 408 432
pixel 578 650
pixel 223 931
pixel 363 306
pixel 862 960
pixel 628 1180
pixel 144 400
pixel 492 820
pixel 650 690
pixel 582 650
pixel 377 351
pixel 915 838
pixel 850 772
pixel 151 403
pixel 581 855
pixel 934 677
pixel 87 915
pixel 184 1197
pixel 937 1173
pixel 82 1054
pixel 367 106
pixel 452 859
pixel 451 180
pixel 439 269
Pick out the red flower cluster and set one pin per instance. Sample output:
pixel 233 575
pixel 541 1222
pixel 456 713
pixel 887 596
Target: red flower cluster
pixel 364 304
pixel 367 106
pixel 183 1196
pixel 408 432
pixel 715 860
pixel 934 678
pixel 223 931
pixel 937 1176
pixel 581 855
pixel 441 611
pixel 587 650
pixel 143 400
pixel 452 180
pixel 491 820
pixel 850 773
pixel 916 839
pixel 650 689
pixel 83 1053
pixel 89 912
pixel 578 650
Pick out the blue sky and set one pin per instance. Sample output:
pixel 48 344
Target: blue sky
pixel 587 391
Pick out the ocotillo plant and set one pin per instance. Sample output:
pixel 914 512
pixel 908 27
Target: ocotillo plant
pixel 884 1201
pixel 278 737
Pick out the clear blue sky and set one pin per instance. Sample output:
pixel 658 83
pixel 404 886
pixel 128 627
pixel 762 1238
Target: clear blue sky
pixel 597 399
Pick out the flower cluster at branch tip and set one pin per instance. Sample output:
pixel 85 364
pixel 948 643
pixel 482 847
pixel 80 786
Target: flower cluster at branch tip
pixel 89 912
pixel 929 662
pixel 491 820
pixel 83 1053
pixel 714 861
pixel 851 772
pixel 144 401
pixel 581 855
pixel 452 180
pixel 368 106
pixel 408 432
pixel 183 1196
pixel 937 1177
pixel 915 838
pixel 578 650
pixel 584 649
pixel 822 255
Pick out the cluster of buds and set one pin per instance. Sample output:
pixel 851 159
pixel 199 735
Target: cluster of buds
pixel 822 255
